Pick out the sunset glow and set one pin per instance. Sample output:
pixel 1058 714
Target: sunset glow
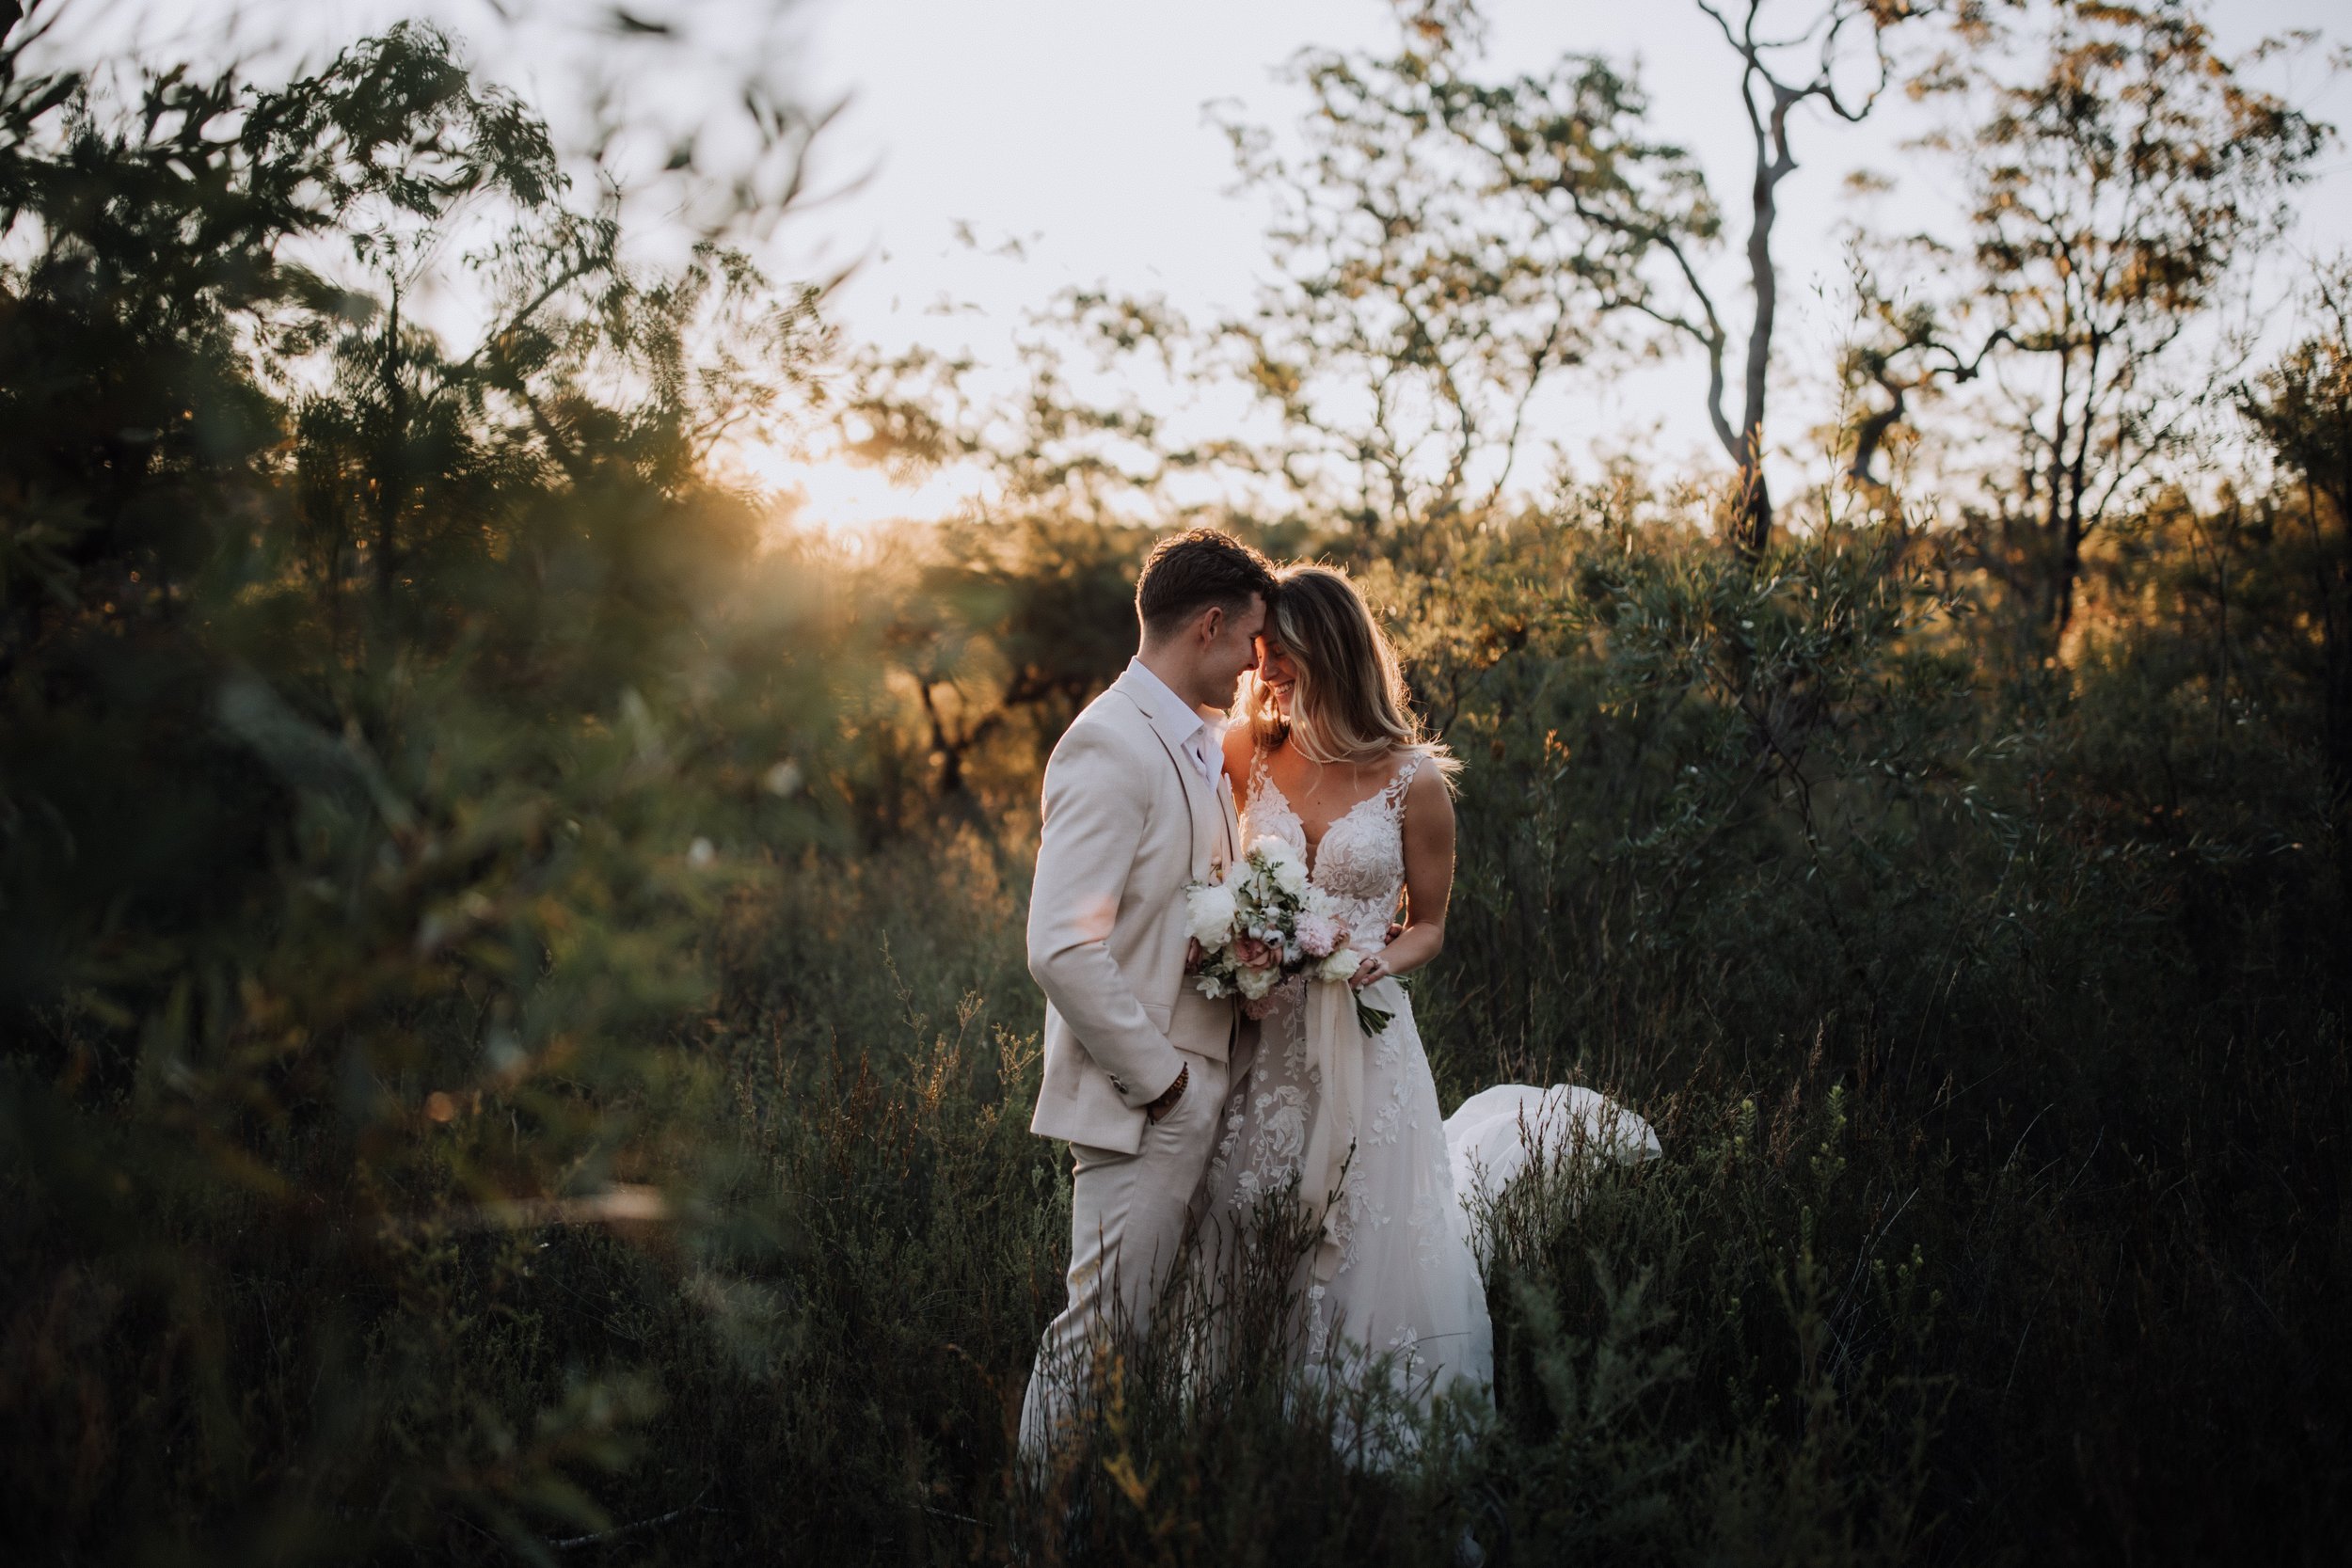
pixel 637 920
pixel 840 495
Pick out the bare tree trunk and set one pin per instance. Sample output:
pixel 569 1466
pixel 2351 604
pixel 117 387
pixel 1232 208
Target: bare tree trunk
pixel 391 464
pixel 1753 530
pixel 2077 477
pixel 2069 567
pixel 949 749
pixel 2333 572
pixel 2052 600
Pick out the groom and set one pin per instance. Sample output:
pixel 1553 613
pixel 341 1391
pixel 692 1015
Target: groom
pixel 1137 806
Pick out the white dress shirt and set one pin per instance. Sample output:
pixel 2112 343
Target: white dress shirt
pixel 1202 745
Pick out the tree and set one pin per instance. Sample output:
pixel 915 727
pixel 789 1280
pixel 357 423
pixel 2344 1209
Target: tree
pixel 1442 249
pixel 1412 320
pixel 2302 407
pixel 1399 346
pixel 1565 145
pixel 2118 169
pixel 359 700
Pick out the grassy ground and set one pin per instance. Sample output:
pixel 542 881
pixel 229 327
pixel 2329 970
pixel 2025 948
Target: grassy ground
pixel 1860 1312
pixel 514 1042
pixel 2004 1225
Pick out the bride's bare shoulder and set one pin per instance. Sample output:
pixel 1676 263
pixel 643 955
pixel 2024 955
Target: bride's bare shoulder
pixel 1433 775
pixel 1240 749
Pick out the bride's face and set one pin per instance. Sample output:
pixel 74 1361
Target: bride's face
pixel 1276 672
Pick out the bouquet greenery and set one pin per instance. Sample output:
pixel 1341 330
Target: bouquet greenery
pixel 1262 921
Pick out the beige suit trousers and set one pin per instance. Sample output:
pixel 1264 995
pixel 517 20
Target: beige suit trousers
pixel 1128 1214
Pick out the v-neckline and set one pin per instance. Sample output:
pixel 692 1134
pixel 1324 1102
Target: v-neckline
pixel 1314 845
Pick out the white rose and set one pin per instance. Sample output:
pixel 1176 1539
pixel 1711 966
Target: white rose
pixel 1271 851
pixel 1281 864
pixel 1340 965
pixel 1255 983
pixel 1209 914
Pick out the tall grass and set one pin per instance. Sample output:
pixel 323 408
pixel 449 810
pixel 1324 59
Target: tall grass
pixel 518 1044
pixel 2004 1222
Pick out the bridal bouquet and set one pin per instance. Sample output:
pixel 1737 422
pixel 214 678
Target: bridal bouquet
pixel 1262 921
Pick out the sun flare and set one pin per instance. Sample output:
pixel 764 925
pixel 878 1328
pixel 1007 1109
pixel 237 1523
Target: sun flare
pixel 838 495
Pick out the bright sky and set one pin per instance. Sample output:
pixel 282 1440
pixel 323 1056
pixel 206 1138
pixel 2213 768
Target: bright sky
pixel 1077 129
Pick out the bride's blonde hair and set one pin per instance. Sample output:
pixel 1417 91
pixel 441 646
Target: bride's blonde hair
pixel 1349 703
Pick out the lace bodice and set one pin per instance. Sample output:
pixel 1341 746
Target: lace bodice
pixel 1361 862
pixel 1404 1285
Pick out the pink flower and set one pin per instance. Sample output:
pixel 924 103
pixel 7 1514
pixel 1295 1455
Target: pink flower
pixel 1318 935
pixel 1254 953
pixel 1259 1006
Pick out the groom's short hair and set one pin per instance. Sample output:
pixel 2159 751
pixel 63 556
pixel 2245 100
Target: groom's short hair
pixel 1187 572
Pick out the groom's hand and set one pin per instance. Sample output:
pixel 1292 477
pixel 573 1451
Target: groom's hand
pixel 1169 1096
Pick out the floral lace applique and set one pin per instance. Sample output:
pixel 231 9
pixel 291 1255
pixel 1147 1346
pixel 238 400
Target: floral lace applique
pixel 1405 1281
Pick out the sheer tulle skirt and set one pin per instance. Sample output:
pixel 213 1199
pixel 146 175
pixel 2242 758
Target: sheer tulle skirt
pixel 1404 1302
pixel 1405 1295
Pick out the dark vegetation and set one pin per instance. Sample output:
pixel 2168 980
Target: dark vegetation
pixel 516 1042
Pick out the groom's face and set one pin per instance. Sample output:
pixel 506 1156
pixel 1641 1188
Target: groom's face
pixel 1232 649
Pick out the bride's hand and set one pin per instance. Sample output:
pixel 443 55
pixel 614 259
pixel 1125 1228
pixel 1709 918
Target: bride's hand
pixel 1377 967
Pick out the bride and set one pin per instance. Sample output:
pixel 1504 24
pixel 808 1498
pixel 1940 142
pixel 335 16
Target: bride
pixel 1326 755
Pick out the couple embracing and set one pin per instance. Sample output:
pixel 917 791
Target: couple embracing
pixel 1184 1111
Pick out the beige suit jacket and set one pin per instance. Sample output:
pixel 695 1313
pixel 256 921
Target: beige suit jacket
pixel 1128 821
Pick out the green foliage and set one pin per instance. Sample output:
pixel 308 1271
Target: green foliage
pixel 517 1040
pixel 2302 406
pixel 364 756
pixel 2118 169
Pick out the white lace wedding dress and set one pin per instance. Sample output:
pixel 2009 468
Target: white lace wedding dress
pixel 1400 1277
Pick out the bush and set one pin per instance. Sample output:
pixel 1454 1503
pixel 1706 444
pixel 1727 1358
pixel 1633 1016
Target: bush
pixel 517 1042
